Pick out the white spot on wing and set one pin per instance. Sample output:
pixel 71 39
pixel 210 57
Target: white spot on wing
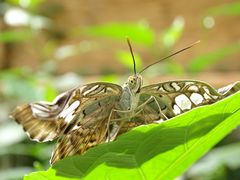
pixel 159 121
pixel 90 90
pixel 176 109
pixel 196 98
pixel 176 87
pixel 69 117
pixel 75 127
pixel 183 102
pixel 206 90
pixel 161 90
pixel 68 112
pixel 225 89
pixel 206 96
pixel 39 110
pixel 188 83
pixel 193 88
pixel 215 97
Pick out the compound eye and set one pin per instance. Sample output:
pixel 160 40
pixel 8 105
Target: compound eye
pixel 131 80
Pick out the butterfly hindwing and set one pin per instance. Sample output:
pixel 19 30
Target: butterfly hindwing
pixel 177 97
pixel 77 141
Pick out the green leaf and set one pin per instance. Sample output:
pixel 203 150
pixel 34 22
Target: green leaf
pixel 228 9
pixel 203 61
pixel 138 32
pixel 15 36
pixel 156 151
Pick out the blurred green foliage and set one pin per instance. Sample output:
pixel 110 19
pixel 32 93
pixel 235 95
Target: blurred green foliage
pixel 15 35
pixel 139 32
pixel 228 9
pixel 220 163
pixel 29 4
pixel 17 154
pixel 125 58
pixel 23 85
pixel 171 35
pixel 202 62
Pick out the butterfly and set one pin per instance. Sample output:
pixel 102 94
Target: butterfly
pixel 95 113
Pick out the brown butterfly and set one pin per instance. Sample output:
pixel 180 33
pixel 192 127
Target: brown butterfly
pixel 98 112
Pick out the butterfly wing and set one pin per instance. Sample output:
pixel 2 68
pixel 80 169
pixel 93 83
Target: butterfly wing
pixel 176 97
pixel 45 121
pixel 41 120
pixel 230 89
pixel 81 138
pixel 90 131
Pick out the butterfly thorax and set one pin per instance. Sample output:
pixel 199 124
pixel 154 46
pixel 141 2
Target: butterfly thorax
pixel 130 96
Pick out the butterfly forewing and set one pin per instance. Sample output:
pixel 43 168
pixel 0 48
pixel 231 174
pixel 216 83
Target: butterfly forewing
pixel 45 121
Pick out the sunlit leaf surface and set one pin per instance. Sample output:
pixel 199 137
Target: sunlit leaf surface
pixel 157 151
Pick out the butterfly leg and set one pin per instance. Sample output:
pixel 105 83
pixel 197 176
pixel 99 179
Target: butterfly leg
pixel 114 132
pixel 159 108
pixel 116 128
pixel 112 135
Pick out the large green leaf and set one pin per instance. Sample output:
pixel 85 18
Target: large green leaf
pixel 156 151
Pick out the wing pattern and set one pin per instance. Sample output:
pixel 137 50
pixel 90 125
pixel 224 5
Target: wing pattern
pixel 177 97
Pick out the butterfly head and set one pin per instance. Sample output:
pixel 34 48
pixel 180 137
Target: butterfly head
pixel 134 83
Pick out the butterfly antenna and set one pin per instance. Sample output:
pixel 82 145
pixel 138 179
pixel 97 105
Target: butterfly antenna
pixel 173 54
pixel 134 62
